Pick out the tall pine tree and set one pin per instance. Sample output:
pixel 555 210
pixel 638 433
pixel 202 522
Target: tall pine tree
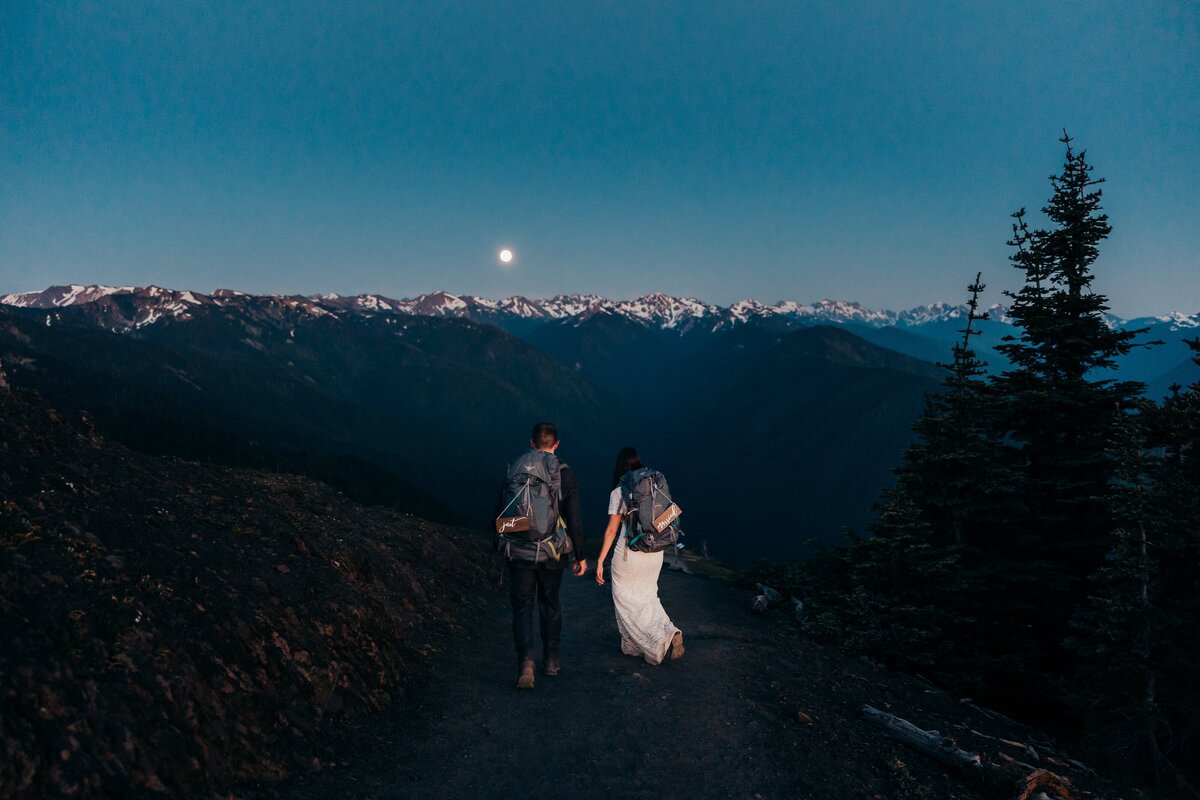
pixel 1060 415
pixel 951 467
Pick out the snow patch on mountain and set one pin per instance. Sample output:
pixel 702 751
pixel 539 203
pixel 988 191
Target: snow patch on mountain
pixel 665 311
pixel 572 305
pixel 1177 320
pixel 744 310
pixel 931 313
pixel 59 296
pixel 841 311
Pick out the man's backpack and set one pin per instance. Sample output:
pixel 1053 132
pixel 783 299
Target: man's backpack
pixel 652 517
pixel 529 528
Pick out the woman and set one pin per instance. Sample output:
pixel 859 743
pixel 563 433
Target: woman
pixel 645 628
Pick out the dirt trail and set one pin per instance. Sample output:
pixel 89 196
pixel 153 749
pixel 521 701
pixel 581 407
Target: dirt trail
pixel 721 722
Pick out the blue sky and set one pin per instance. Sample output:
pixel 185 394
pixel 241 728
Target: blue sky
pixel 724 150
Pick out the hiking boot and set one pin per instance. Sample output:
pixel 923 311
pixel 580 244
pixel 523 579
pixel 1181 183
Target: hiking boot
pixel 677 645
pixel 550 667
pixel 525 679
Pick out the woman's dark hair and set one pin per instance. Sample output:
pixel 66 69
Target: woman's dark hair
pixel 627 459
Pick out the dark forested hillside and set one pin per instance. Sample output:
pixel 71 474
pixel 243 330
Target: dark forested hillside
pixel 743 417
pixel 609 350
pixel 420 413
pixel 779 434
pixel 423 412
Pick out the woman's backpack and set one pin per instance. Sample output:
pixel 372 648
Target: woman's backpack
pixel 652 517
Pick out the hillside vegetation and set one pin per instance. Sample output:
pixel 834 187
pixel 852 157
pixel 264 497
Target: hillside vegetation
pixel 174 627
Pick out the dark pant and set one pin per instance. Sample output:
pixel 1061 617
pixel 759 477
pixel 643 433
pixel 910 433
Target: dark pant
pixel 526 580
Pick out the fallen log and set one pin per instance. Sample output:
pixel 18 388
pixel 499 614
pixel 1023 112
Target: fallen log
pixel 929 743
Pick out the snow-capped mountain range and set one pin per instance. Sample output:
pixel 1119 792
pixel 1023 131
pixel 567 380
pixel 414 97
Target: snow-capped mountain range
pixel 145 305
pixel 659 310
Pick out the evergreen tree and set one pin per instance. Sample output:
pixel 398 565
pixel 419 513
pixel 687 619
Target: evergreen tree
pixel 896 610
pixel 1059 416
pixel 957 475
pixel 948 466
pixel 909 595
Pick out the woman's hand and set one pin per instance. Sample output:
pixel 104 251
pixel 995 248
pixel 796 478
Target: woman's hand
pixel 610 536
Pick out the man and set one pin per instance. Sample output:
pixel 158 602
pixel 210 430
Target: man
pixel 543 578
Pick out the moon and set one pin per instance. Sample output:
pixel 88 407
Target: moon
pixel 506 256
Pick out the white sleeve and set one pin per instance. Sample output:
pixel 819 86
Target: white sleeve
pixel 616 505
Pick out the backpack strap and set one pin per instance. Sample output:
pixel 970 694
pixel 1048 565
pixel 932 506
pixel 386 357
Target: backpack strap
pixel 633 530
pixel 510 502
pixel 562 465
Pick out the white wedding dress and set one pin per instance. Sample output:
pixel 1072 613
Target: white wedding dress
pixel 645 628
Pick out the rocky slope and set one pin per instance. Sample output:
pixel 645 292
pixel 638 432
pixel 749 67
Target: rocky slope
pixel 175 628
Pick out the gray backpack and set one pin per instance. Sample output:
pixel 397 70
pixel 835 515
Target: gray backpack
pixel 529 528
pixel 652 521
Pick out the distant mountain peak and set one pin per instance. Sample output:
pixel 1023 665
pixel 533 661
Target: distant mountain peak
pixel 1178 320
pixel 59 296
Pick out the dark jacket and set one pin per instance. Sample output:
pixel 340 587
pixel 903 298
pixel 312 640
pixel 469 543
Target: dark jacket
pixel 568 509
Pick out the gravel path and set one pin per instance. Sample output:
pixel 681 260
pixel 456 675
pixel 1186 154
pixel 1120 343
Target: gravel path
pixel 721 722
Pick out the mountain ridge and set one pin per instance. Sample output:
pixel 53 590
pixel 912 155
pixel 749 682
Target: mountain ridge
pixel 660 310
pixel 926 332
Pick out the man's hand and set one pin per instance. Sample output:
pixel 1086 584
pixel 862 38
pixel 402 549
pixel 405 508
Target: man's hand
pixel 579 568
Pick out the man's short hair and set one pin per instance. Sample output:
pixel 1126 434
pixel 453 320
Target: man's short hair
pixel 544 435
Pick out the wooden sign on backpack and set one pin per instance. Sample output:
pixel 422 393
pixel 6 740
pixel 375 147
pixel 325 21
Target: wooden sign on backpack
pixel 512 524
pixel 664 520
